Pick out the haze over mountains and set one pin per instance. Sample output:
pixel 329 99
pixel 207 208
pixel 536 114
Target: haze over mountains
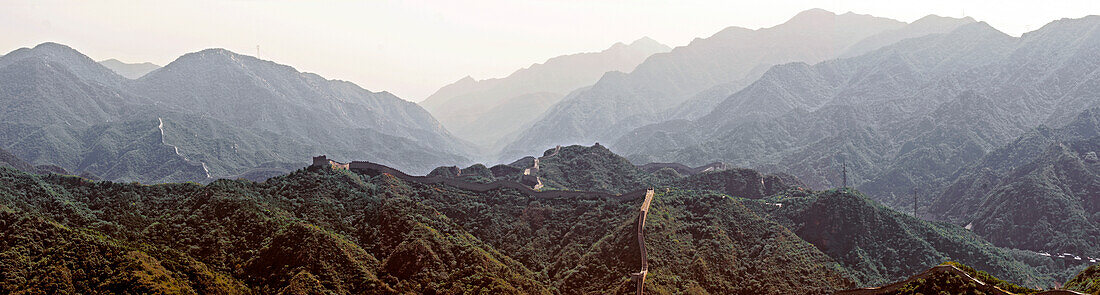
pixel 908 115
pixel 956 141
pixel 704 72
pixel 208 114
pixel 129 70
pixel 484 111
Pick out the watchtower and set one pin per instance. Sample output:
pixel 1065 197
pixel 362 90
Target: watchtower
pixel 320 161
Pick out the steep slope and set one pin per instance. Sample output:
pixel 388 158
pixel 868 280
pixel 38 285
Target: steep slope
pixel 1087 281
pixel 272 238
pixel 60 108
pixel 335 231
pixel 931 24
pixel 910 115
pixel 8 159
pixel 211 114
pixel 706 101
pixel 949 278
pixel 276 100
pixel 129 70
pixel 486 110
pixel 590 168
pixel 620 102
pixel 1038 192
pixel 702 241
pixel 878 245
pixel 797 115
pixel 77 64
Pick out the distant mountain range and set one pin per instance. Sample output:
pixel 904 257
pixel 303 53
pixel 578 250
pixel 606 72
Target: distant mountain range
pixel 690 80
pixel 485 111
pixel 128 70
pixel 207 115
pixel 914 115
pixel 956 141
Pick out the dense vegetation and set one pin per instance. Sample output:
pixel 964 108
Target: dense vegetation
pixel 1041 192
pixel 713 242
pixel 946 282
pixel 878 245
pixel 718 232
pixel 591 168
pixel 990 279
pixel 333 231
pixel 1087 281
pixel 948 278
pixel 319 231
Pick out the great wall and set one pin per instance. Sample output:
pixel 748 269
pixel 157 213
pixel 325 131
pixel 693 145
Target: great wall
pixel 374 169
pixel 639 277
pixel 951 269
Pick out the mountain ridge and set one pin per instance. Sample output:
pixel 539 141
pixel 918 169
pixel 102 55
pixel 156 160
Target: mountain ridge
pixel 485 111
pixel 628 101
pixel 129 70
pixel 95 128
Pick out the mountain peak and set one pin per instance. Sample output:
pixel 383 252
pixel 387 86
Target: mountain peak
pixel 649 45
pixel 50 49
pixel 76 62
pixel 219 56
pixel 644 44
pixel 644 40
pixel 822 21
pixel 1067 25
pixel 814 13
pixel 218 51
pixel 936 19
pixel 53 46
pixel 467 79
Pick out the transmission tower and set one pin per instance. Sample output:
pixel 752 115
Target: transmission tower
pixel 844 173
pixel 915 203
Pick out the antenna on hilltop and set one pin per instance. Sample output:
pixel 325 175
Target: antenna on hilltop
pixel 915 203
pixel 844 172
pixel 257 51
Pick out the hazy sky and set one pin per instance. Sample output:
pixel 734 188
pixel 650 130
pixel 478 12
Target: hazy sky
pixel 412 48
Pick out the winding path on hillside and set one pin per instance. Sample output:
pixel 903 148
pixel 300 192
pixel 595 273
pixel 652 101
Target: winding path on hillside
pixel 948 269
pixel 639 277
pixel 647 195
pixel 160 125
pixel 924 275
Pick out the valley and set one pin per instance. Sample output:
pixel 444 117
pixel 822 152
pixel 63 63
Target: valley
pixel 757 149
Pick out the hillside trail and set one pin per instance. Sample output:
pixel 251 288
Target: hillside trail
pixel 924 275
pixel 639 277
pixel 370 168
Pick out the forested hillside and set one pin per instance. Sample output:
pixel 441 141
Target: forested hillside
pixel 338 231
pixel 1040 192
pixel 1087 281
pixel 324 230
pixel 878 245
